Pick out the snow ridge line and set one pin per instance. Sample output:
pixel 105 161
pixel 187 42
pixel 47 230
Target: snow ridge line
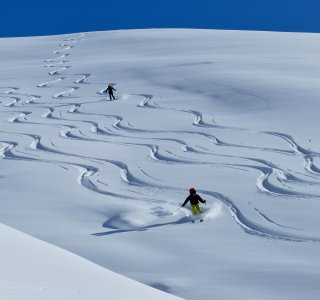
pixel 307 155
pixel 36 146
pixel 263 182
pixel 255 229
pixel 16 99
pixel 60 71
pixel 86 177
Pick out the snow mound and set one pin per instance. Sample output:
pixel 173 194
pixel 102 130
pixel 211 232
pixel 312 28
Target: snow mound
pixel 33 269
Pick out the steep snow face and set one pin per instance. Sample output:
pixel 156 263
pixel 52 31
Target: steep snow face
pixel 32 269
pixel 233 114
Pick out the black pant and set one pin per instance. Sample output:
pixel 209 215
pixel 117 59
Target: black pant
pixel 111 96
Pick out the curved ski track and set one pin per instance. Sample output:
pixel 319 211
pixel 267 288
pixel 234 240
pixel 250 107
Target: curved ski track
pixel 70 121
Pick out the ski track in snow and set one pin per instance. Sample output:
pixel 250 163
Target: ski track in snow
pixel 68 120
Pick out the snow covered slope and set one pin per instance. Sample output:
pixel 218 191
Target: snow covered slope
pixel 32 269
pixel 234 114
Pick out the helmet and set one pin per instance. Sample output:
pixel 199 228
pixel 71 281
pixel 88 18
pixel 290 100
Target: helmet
pixel 192 190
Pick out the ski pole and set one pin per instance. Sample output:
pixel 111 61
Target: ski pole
pixel 179 207
pixel 175 210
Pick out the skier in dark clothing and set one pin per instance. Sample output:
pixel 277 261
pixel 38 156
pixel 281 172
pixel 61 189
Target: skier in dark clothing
pixel 110 90
pixel 194 199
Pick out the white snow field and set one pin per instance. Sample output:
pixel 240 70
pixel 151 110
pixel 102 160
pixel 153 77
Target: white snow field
pixel 32 269
pixel 234 114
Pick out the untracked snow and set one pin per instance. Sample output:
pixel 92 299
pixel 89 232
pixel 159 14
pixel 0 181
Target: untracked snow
pixel 232 113
pixel 32 269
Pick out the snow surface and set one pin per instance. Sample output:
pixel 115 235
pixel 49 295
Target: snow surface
pixel 33 269
pixel 234 114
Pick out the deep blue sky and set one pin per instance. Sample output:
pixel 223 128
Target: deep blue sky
pixel 44 17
